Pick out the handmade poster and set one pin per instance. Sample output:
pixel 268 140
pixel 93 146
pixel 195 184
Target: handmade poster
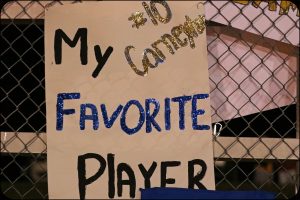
pixel 127 99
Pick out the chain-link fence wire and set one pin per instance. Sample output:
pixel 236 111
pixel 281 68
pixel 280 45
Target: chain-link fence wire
pixel 253 80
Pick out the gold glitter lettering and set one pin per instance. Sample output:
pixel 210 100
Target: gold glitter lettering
pixel 176 32
pixel 285 7
pixel 164 41
pixel 190 31
pixel 146 7
pixel 244 2
pixel 272 5
pixel 199 24
pixel 172 40
pixel 156 13
pixel 256 3
pixel 132 65
pixel 146 61
pixel 190 28
pixel 137 19
pixel 158 51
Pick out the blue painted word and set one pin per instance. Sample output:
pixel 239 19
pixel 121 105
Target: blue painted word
pixel 146 116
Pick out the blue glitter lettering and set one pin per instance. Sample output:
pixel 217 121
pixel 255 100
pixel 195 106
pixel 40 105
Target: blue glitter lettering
pixel 124 127
pixel 196 112
pixel 110 122
pixel 181 102
pixel 60 112
pixel 84 116
pixel 167 114
pixel 150 117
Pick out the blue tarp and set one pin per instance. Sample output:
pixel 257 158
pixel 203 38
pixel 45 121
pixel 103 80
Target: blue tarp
pixel 181 193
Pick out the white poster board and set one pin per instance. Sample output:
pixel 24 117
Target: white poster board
pixel 127 103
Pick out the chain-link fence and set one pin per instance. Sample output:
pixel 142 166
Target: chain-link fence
pixel 253 56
